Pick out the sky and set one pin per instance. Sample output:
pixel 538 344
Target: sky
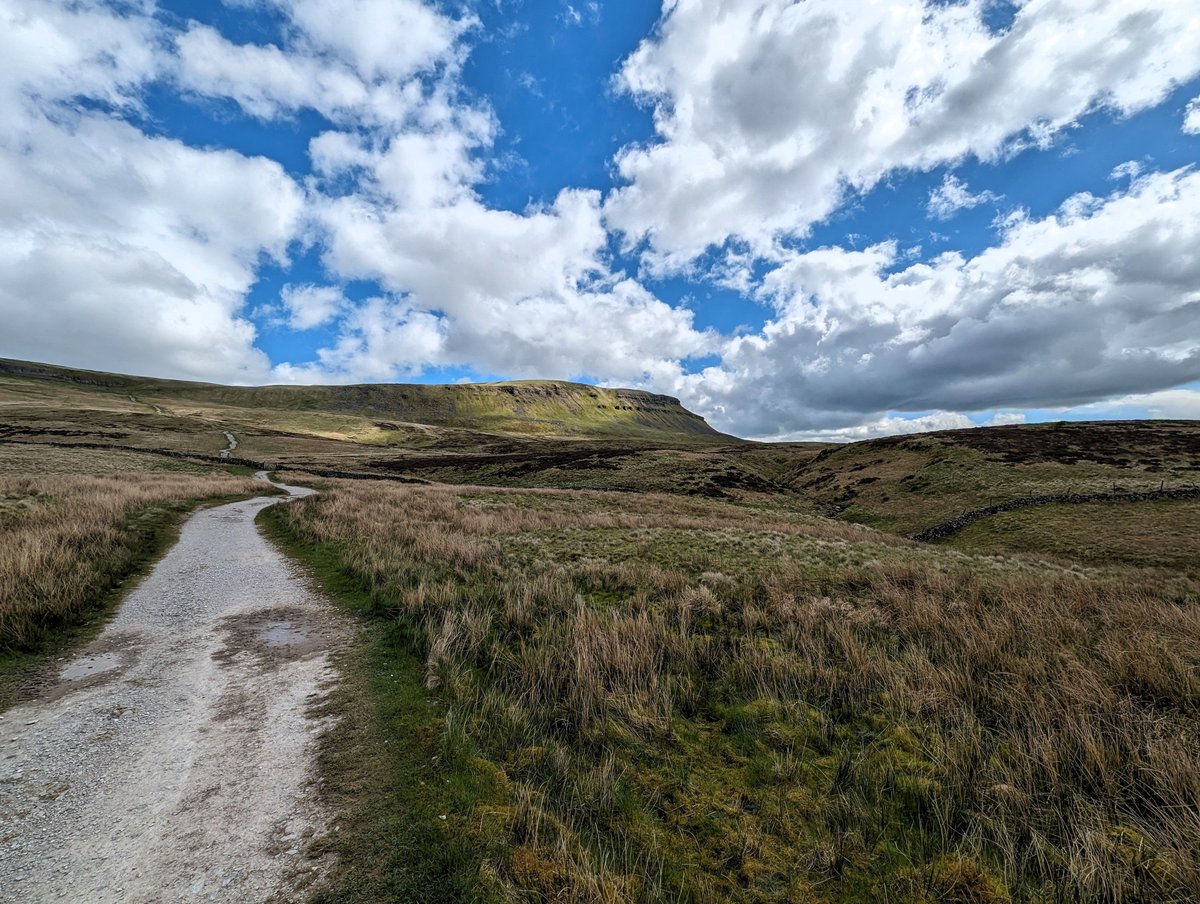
pixel 806 219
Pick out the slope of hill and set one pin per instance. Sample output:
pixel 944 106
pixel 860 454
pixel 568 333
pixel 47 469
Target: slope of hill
pixel 906 484
pixel 573 436
pixel 531 407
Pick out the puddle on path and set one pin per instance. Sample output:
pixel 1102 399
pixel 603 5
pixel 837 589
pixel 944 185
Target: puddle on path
pixel 275 636
pixel 283 634
pixel 90 666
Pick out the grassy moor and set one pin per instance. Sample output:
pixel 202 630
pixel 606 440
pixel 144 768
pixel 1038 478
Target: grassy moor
pixel 662 698
pixel 609 655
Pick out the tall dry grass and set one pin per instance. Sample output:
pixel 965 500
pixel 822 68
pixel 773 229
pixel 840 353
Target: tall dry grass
pixel 910 729
pixel 66 540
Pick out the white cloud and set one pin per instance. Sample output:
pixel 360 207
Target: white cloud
pixel 953 195
pixel 572 15
pixel 523 294
pixel 519 294
pixel 767 111
pixel 880 426
pixel 122 250
pixel 1130 169
pixel 1098 301
pixel 1177 404
pixel 382 39
pixel 118 249
pixel 53 52
pixel 394 200
pixel 267 82
pixel 1006 418
pixel 1191 117
pixel 360 63
pixel 311 306
pixel 893 425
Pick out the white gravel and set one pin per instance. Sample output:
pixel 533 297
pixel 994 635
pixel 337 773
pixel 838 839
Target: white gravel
pixel 173 759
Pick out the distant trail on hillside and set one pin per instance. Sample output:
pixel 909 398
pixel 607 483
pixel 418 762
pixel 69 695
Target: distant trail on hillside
pixel 958 522
pixel 174 757
pixel 233 444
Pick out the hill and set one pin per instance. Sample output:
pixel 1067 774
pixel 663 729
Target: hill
pixel 531 407
pixel 906 484
pixel 572 436
pixel 528 433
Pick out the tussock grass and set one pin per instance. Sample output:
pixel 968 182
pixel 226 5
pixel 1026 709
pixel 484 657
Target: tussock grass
pixel 69 539
pixel 863 720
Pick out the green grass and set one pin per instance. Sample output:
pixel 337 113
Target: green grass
pixel 863 720
pixel 525 407
pixel 1161 534
pixel 907 484
pixel 401 791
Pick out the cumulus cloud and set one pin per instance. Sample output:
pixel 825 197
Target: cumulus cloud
pixel 953 195
pixel 1130 169
pixel 54 51
pixel 525 294
pixel 310 306
pixel 359 63
pixel 267 82
pixel 117 248
pixel 1097 301
pixel 1178 404
pixel 382 39
pixel 1191 117
pixel 768 112
pixel 893 425
pixel 166 239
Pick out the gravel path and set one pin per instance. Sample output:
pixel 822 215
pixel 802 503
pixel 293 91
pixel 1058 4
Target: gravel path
pixel 173 758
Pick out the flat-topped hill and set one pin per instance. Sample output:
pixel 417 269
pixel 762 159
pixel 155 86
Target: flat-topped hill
pixel 529 407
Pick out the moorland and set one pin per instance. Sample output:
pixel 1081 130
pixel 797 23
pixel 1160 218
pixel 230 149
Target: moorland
pixel 609 654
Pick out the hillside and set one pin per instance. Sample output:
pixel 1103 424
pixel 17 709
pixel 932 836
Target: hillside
pixel 533 407
pixel 571 436
pixel 905 484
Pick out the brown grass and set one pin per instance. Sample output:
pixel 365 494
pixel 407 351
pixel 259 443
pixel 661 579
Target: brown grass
pixel 863 720
pixel 70 538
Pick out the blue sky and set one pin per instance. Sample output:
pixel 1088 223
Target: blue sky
pixel 806 220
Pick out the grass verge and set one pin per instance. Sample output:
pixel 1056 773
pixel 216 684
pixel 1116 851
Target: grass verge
pixel 401 791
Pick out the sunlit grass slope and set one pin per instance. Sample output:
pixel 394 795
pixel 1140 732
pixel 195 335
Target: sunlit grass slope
pixel 378 411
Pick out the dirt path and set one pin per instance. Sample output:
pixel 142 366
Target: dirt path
pixel 173 759
pixel 233 444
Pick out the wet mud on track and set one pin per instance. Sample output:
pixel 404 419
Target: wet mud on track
pixel 173 759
